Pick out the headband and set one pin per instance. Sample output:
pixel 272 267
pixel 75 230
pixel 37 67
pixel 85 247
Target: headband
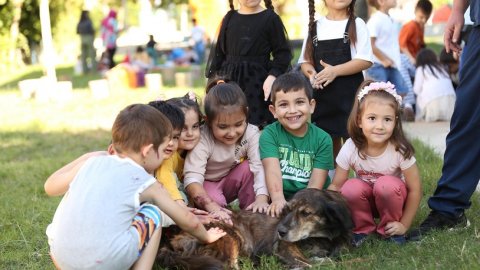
pixel 380 86
pixel 220 82
pixel 191 95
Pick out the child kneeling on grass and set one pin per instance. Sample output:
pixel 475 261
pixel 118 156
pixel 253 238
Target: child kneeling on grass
pixel 106 220
pixel 387 182
pixel 295 153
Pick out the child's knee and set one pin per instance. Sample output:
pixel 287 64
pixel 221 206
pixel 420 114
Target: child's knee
pixel 244 169
pixel 355 189
pixel 388 186
pixel 148 223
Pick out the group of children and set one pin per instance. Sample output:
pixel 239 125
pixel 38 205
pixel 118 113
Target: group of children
pixel 164 166
pixel 113 208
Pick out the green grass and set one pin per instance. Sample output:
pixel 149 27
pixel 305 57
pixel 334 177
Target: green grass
pixel 38 138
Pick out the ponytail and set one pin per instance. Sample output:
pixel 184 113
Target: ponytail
pixel 312 33
pixel 231 4
pixel 352 28
pixel 269 5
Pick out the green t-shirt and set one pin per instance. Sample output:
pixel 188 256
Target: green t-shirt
pixel 297 155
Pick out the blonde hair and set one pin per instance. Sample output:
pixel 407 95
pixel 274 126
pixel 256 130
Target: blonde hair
pixel 398 138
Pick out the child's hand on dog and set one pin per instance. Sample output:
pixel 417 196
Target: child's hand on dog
pixel 260 204
pixel 222 214
pixel 203 216
pixel 276 207
pixel 213 234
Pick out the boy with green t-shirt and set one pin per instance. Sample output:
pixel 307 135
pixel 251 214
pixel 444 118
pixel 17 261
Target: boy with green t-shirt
pixel 295 153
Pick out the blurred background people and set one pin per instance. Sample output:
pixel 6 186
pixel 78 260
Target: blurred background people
pixel 199 41
pixel 109 35
pixel 87 36
pixel 151 51
pixel 452 64
pixel 434 89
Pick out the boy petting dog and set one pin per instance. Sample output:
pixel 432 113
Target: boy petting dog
pixel 295 153
pixel 110 217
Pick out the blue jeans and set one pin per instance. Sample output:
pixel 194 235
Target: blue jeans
pixel 200 51
pixel 378 72
pixel 461 165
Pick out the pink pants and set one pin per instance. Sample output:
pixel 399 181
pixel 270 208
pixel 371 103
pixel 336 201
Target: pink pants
pixel 384 199
pixel 238 183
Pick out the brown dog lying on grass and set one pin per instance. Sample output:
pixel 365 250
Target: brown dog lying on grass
pixel 317 222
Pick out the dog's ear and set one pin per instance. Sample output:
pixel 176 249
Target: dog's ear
pixel 340 213
pixel 288 207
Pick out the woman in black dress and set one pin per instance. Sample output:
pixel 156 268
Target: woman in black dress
pixel 252 49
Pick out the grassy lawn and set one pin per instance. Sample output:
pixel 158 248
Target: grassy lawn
pixel 38 138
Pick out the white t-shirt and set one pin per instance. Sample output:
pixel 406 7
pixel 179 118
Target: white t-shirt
pixel 391 162
pixel 197 34
pixel 385 30
pixel 91 228
pixel 428 87
pixel 328 29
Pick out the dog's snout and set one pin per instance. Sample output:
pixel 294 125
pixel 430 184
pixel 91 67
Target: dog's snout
pixel 282 231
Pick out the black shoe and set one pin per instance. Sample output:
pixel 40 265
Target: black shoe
pixel 397 239
pixel 437 221
pixel 359 239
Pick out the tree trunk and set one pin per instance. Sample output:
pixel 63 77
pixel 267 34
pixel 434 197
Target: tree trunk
pixel 48 52
pixel 14 30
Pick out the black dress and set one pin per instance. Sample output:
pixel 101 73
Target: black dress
pixel 335 101
pixel 249 48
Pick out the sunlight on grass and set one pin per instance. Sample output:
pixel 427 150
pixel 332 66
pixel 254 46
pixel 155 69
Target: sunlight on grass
pixel 38 138
pixel 82 112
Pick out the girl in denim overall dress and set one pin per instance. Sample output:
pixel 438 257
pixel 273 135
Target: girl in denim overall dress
pixel 333 56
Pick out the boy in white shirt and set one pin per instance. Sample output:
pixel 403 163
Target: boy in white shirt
pixel 109 217
pixel 386 50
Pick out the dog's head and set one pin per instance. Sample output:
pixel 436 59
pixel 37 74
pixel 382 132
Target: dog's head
pixel 315 213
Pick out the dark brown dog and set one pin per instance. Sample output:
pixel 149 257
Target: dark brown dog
pixel 315 221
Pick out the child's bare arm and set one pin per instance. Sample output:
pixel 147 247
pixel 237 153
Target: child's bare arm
pixel 348 68
pixel 203 201
pixel 414 195
pixel 309 71
pixel 259 184
pixel 184 218
pixel 339 179
pixel 386 61
pixel 273 178
pixel 57 184
pixel 317 179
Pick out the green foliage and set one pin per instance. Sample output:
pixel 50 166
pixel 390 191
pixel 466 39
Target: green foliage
pixel 166 3
pixel 30 21
pixel 6 16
